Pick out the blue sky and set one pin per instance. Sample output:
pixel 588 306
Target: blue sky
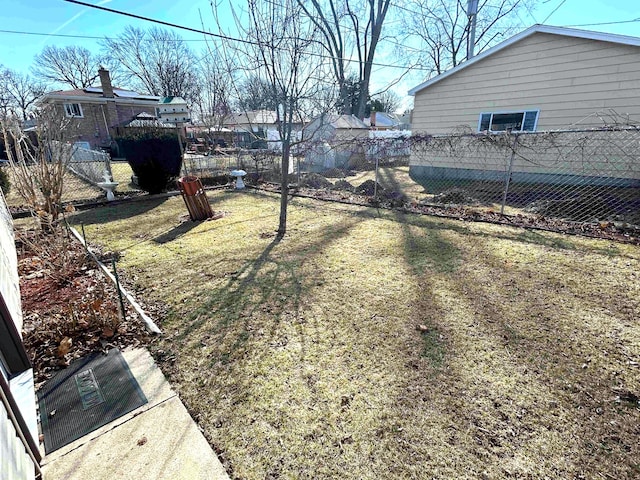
pixel 59 17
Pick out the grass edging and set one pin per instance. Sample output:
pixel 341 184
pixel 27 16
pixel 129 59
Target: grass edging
pixel 150 325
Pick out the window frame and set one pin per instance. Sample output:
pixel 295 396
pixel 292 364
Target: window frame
pixel 68 106
pixel 510 112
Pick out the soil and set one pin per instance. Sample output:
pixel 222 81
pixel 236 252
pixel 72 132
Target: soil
pixel 315 180
pixel 343 185
pixel 70 313
pixel 616 231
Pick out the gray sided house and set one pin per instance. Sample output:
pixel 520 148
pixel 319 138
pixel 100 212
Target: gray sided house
pixel 99 111
pixel 19 454
pixel 544 79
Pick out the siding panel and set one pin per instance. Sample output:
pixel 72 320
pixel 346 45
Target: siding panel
pixel 568 79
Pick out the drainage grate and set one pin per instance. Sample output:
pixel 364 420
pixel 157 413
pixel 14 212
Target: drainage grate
pixel 90 393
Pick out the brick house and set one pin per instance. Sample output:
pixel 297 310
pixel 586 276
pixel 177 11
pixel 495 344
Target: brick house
pixel 99 110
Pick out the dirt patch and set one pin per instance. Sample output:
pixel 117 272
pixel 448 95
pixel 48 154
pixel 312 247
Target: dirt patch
pixel 70 312
pixel 336 173
pixel 368 188
pixel 315 181
pixel 618 231
pixel 456 196
pixel 343 185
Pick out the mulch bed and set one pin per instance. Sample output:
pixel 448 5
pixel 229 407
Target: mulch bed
pixel 603 230
pixel 70 313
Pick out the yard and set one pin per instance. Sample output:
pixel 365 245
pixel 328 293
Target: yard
pixel 369 344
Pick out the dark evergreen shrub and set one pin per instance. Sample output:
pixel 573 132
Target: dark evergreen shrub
pixel 154 157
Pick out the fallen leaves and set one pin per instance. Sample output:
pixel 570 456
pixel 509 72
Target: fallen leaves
pixel 64 347
pixel 66 321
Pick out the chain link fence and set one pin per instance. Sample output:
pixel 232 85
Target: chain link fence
pixel 577 175
pixel 574 175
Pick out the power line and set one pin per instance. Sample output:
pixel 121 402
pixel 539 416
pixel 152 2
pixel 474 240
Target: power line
pixel 89 37
pixel 225 37
pixel 554 11
pixel 605 23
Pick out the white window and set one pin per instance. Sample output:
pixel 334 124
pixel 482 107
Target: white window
pixel 73 110
pixel 523 121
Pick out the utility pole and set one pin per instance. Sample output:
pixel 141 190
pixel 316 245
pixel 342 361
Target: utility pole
pixel 472 11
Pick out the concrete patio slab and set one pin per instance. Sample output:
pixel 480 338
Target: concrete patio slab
pixel 156 441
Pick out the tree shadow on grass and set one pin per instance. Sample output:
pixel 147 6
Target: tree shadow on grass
pixel 117 211
pixel 553 240
pixel 533 342
pixel 269 286
pixel 177 231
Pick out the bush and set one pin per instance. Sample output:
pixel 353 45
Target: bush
pixel 155 158
pixel 4 180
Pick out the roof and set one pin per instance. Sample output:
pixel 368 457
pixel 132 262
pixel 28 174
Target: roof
pixel 387 119
pixel 96 92
pixel 173 100
pixel 567 32
pixel 148 121
pixel 342 121
pixel 253 117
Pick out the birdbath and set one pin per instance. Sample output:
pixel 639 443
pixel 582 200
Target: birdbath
pixel 238 174
pixel 108 186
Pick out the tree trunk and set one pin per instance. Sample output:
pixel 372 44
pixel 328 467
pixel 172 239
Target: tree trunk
pixel 284 195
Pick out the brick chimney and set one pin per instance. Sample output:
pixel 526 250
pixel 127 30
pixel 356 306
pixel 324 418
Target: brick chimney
pixel 372 118
pixel 105 82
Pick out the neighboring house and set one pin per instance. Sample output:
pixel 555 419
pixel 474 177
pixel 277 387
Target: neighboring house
pixel 329 127
pixel 252 127
pixel 173 110
pixel 329 140
pixel 19 454
pixel 99 110
pixel 388 121
pixel 544 78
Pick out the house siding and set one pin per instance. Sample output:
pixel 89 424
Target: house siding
pixel 572 81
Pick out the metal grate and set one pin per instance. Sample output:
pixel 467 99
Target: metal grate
pixel 90 393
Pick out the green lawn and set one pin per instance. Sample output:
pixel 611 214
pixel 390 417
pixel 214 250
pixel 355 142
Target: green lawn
pixel 368 344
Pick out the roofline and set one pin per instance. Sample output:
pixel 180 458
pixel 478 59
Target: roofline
pixel 101 100
pixel 564 31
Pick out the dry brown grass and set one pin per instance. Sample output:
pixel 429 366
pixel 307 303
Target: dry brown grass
pixel 302 358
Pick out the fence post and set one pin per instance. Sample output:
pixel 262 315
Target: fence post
pixel 115 275
pixel 507 180
pixel 375 185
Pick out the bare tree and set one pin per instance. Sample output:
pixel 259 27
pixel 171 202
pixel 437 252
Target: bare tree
pixel 388 101
pixel 255 93
pixel 74 66
pixel 212 104
pixel 279 49
pixel 5 97
pixel 349 29
pixel 442 28
pixel 23 91
pixel 156 61
pixel 39 162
